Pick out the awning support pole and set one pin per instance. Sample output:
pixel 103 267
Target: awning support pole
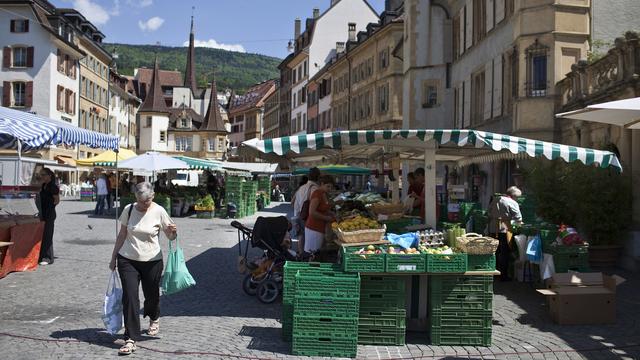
pixel 430 185
pixel 19 170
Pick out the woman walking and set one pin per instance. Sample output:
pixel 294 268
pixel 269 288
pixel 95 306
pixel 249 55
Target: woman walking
pixel 138 257
pixel 320 215
pixel 49 199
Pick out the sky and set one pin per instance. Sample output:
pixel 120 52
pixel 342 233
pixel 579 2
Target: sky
pixel 253 26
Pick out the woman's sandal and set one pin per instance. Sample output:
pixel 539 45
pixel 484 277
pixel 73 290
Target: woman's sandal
pixel 128 348
pixel 154 327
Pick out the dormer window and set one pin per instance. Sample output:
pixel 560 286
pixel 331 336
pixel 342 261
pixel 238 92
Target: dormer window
pixel 183 123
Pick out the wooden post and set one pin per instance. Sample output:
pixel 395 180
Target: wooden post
pixel 430 184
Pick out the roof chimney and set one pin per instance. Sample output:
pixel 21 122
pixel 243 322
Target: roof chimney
pixel 316 13
pixel 352 32
pixel 297 27
pixel 339 47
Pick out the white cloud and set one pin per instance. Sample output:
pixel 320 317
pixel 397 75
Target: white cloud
pixel 140 3
pixel 116 8
pixel 92 11
pixel 211 43
pixel 152 24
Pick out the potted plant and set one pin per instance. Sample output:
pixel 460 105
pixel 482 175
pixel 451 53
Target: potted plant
pixel 204 207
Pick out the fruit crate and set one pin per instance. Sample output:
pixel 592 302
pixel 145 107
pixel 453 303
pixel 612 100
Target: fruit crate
pixel 324 346
pixel 451 284
pixel 381 335
pixel 481 262
pixel 381 301
pixel 465 320
pixel 446 263
pixel 576 259
pixel 305 324
pixel 393 318
pixel 405 263
pixel 351 262
pixel 370 283
pixel 328 284
pixel 325 306
pixel 462 337
pixel 460 301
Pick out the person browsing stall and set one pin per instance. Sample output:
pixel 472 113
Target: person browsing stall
pixel 504 211
pixel 299 198
pixel 320 215
pixel 138 257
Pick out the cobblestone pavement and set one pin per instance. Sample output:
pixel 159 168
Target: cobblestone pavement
pixel 54 312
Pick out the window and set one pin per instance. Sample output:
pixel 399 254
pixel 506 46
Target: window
pixel 19 26
pixel 294 75
pixel 537 69
pixel 479 20
pixel 383 59
pixel 19 94
pixel 295 99
pixel 19 57
pixel 148 122
pixel 303 96
pixel 163 136
pixel 430 94
pixel 477 98
pixel 212 144
pixel 383 98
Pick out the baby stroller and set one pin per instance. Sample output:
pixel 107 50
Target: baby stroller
pixel 264 278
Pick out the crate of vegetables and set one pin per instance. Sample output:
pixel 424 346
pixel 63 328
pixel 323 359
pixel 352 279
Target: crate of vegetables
pixel 358 229
pixel 404 260
pixel 363 259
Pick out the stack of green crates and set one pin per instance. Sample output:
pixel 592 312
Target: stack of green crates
pixel 570 258
pixel 233 193
pixel 382 310
pixel 460 310
pixel 264 185
pixel 527 209
pixel 291 269
pixel 325 314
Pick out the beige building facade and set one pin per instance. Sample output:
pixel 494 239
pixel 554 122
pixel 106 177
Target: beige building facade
pixel 271 116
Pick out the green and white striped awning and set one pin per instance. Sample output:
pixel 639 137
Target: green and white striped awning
pixel 200 164
pixel 468 139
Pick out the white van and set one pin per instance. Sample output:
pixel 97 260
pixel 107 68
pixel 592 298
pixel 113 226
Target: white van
pixel 187 178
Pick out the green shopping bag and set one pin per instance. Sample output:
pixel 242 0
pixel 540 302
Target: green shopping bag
pixel 176 276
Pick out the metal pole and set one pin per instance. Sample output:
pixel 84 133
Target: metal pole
pixel 19 169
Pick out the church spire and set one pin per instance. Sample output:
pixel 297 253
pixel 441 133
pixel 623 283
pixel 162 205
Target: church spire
pixel 213 119
pixel 154 101
pixel 190 72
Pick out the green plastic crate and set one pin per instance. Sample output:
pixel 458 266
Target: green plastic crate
pixel 381 335
pixel 481 262
pixel 446 263
pixel 382 282
pixel 324 346
pixel 325 307
pixel 393 318
pixel 328 284
pixel 461 337
pixel 451 284
pixel 461 320
pixel 405 263
pixel 575 262
pixel 313 323
pixel 360 262
pixel 460 301
pixel 381 301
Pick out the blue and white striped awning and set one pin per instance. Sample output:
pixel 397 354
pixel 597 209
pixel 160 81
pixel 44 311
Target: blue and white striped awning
pixel 467 139
pixel 34 132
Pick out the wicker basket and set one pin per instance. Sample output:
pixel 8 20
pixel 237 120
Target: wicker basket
pixel 360 236
pixel 387 209
pixel 476 244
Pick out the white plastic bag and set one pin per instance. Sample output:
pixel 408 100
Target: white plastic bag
pixel 112 308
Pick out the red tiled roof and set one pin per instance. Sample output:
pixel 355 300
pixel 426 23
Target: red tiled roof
pixel 167 77
pixel 154 102
pixel 254 97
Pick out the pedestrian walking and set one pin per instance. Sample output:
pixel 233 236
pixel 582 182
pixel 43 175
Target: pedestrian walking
pixel 504 211
pixel 49 199
pixel 138 257
pixel 102 189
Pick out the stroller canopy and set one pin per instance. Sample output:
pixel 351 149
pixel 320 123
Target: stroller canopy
pixel 268 233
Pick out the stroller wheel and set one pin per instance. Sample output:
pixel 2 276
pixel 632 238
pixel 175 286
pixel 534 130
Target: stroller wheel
pixel 249 286
pixel 268 291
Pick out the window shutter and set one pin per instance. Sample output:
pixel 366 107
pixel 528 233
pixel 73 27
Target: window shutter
pixel 73 103
pixel 13 26
pixel 489 15
pixel 499 10
pixel 497 86
pixel 6 57
pixel 59 94
pixel 467 103
pixel 488 90
pixel 30 56
pixel 28 102
pixel 67 101
pixel 6 93
pixel 26 25
pixel 469 21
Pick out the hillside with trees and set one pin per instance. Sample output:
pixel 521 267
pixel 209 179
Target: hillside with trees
pixel 234 70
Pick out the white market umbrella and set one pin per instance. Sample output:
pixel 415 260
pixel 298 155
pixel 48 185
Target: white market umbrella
pixel 624 113
pixel 153 161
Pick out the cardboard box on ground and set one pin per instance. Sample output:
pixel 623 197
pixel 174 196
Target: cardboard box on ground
pixel 582 298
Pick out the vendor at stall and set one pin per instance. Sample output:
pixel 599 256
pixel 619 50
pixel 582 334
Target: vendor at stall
pixel 504 212
pixel 416 191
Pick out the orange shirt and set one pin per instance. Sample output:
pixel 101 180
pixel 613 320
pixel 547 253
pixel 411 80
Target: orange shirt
pixel 323 208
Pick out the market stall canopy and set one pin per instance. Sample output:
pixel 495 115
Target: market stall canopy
pixel 625 113
pixel 200 164
pixel 34 132
pixel 255 168
pixel 107 158
pixel 450 145
pixel 336 170
pixel 153 161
